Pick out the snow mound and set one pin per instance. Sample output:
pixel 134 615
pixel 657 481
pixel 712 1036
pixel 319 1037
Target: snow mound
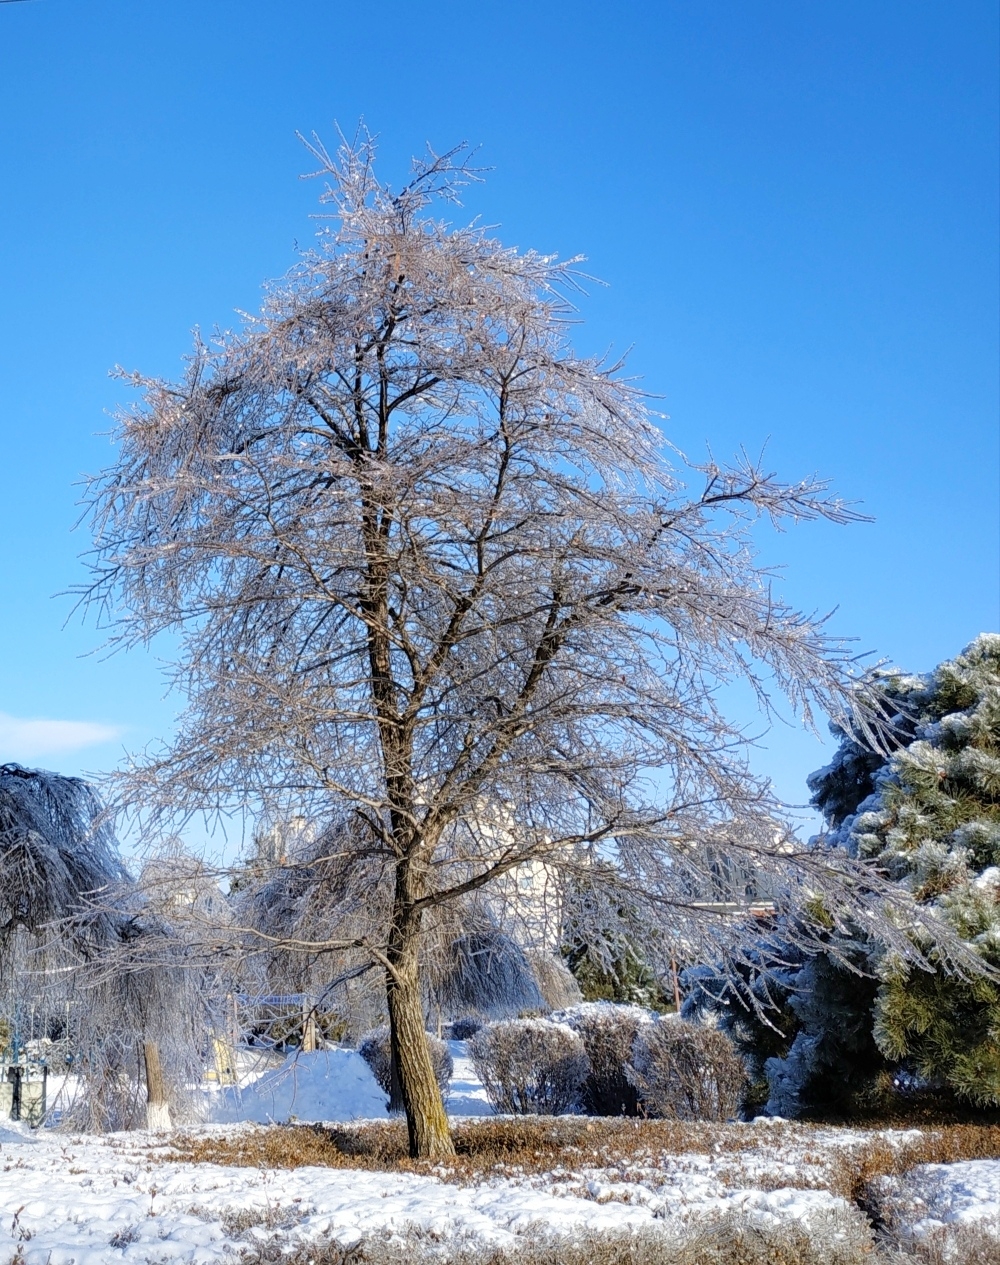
pixel 947 1194
pixel 328 1085
pixel 608 1011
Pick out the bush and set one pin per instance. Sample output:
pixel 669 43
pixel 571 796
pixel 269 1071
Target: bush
pixel 608 1032
pixel 375 1050
pixel 685 1072
pixel 530 1066
pixel 465 1028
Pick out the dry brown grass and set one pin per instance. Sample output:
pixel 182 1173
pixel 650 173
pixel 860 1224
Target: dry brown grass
pixel 954 1245
pixel 837 1239
pixel 847 1162
pixel 732 1240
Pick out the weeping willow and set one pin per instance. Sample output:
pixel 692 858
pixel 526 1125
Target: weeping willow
pixel 87 969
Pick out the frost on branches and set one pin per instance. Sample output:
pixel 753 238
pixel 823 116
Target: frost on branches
pixel 858 1025
pixel 84 961
pixel 437 589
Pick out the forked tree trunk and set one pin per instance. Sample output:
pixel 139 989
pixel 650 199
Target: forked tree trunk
pixel 426 1120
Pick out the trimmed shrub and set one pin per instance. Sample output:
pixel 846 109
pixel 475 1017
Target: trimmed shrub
pixel 465 1028
pixel 685 1072
pixel 530 1066
pixel 608 1032
pixel 374 1048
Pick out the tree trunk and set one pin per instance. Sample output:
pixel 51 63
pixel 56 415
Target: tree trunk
pixel 426 1120
pixel 157 1108
pixel 309 1042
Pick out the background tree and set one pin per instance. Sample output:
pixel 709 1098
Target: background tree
pixel 433 579
pixel 83 957
pixel 850 1022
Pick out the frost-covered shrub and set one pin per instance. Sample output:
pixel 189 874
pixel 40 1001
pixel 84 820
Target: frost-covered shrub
pixel 608 1032
pixel 375 1050
pixel 685 1072
pixel 530 1066
pixel 465 1028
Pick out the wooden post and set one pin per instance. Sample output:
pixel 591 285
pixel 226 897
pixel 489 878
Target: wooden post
pixel 677 985
pixel 308 1027
pixel 157 1107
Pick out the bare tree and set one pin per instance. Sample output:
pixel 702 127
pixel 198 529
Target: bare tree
pixel 431 570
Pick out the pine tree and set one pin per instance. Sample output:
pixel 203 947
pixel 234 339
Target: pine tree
pixel 627 980
pixel 834 1033
pixel 929 816
pixel 934 823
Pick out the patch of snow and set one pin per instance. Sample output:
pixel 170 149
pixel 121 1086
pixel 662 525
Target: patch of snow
pixel 331 1085
pixel 608 1010
pixel 946 1194
pixel 466 1095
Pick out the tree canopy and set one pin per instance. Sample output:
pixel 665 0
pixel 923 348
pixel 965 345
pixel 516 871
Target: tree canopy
pixel 435 584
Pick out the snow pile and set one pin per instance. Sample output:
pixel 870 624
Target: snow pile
pixel 330 1085
pixel 602 1011
pixel 949 1194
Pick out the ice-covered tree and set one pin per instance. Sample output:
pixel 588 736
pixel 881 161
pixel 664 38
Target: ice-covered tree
pixel 84 953
pixel 432 576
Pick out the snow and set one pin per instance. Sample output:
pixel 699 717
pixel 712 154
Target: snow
pixel 331 1085
pixel 73 1200
pixel 946 1194
pixel 466 1095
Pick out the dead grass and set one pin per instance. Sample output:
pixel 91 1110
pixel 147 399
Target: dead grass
pixel 538 1145
pixel 835 1239
pixel 954 1245
pixel 732 1240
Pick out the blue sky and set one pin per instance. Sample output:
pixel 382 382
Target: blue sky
pixel 794 206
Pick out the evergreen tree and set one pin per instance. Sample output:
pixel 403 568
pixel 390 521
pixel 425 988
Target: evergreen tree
pixel 929 816
pixel 843 1027
pixel 934 823
pixel 627 980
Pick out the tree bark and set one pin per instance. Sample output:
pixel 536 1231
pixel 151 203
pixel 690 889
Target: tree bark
pixel 309 1042
pixel 157 1107
pixel 426 1119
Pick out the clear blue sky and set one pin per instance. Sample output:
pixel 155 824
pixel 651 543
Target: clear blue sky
pixel 794 205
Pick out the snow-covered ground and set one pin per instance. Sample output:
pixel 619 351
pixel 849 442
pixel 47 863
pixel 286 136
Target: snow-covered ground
pixel 937 1195
pixel 72 1200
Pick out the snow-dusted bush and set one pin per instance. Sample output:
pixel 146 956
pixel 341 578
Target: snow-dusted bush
pixel 375 1050
pixel 608 1032
pixel 465 1028
pixel 530 1066
pixel 686 1072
